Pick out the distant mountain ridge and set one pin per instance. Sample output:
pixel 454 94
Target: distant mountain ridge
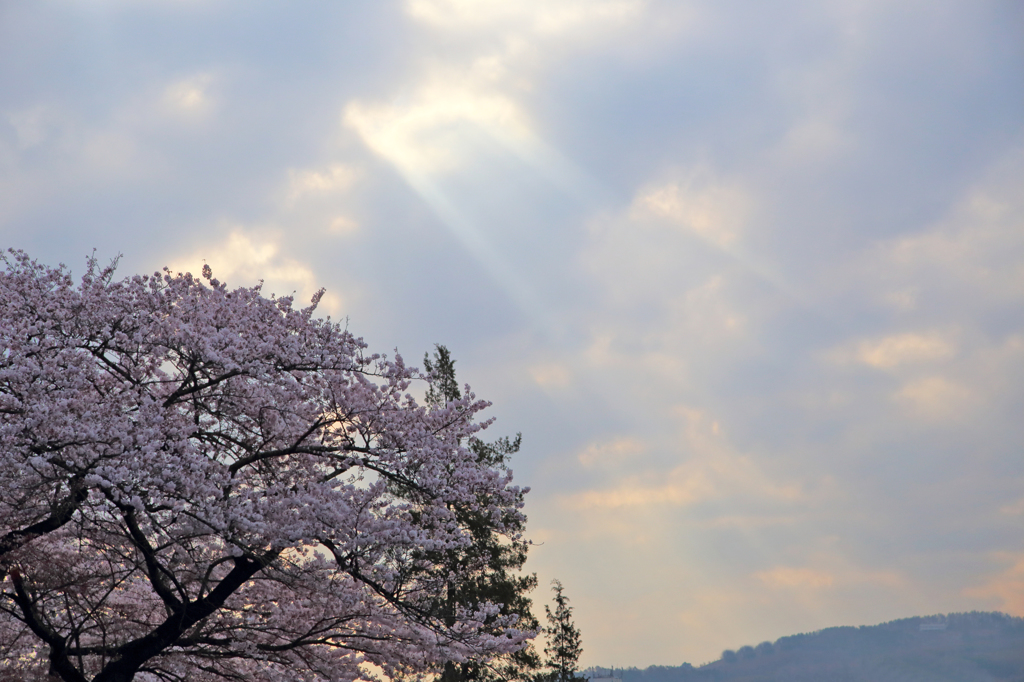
pixel 955 647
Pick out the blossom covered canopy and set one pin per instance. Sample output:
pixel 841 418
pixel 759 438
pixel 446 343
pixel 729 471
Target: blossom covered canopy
pixel 204 484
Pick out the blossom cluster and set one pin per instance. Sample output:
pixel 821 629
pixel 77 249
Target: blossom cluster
pixel 205 483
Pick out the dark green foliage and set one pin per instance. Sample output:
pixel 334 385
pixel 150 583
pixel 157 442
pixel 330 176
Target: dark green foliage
pixel 564 642
pixel 494 560
pixel 443 387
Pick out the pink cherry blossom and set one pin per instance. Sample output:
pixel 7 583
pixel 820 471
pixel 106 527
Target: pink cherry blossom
pixel 208 484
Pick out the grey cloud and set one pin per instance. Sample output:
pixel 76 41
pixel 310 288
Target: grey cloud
pixel 757 303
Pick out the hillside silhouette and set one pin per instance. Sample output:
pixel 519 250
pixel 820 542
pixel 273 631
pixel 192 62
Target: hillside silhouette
pixel 957 647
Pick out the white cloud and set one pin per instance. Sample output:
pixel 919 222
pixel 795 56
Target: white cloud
pixel 335 179
pixel 713 211
pixel 434 132
pixel 903 348
pixel 1014 508
pixel 1004 590
pixel 936 398
pixel 795 578
pixel 475 89
pixel 815 140
pixel 551 375
pixel 897 350
pixel 667 312
pixel 343 226
pixel 244 258
pixel 190 97
pixel 706 312
pixel 611 453
pixel 644 256
pixel 972 256
pixel 840 575
pixel 532 16
pixel 711 470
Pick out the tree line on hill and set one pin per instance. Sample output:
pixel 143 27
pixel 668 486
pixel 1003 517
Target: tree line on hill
pixel 957 647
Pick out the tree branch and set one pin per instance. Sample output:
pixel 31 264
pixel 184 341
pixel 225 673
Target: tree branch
pixel 60 514
pixel 135 653
pixel 195 388
pixel 59 661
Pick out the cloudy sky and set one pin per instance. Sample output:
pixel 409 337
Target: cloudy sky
pixel 748 276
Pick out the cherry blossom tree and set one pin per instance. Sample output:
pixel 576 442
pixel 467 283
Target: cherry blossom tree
pixel 208 484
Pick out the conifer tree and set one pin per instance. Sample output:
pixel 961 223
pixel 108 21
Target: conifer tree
pixel 564 642
pixel 494 560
